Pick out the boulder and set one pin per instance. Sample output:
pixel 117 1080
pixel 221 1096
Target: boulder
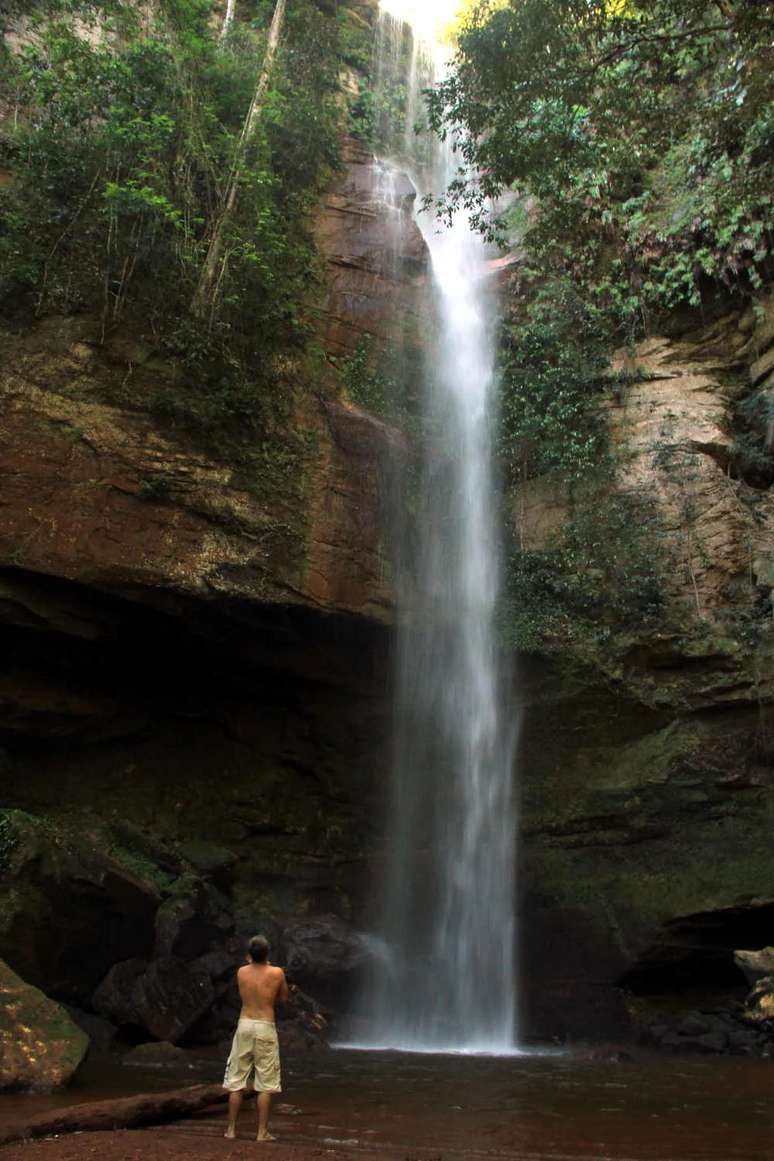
pixel 759 1006
pixel 164 998
pixel 323 953
pixel 709 1042
pixel 116 998
pixel 40 1046
pixel 163 1055
pixel 134 838
pixel 68 909
pixel 755 964
pixel 694 1024
pixel 101 1033
pixel 195 916
pixel 210 859
pixel 302 1024
pixel 219 1020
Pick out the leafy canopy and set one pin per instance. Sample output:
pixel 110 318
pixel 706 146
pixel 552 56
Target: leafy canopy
pixel 123 128
pixel 641 132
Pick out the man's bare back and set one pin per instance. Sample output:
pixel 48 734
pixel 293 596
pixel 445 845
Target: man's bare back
pixel 255 1048
pixel 261 985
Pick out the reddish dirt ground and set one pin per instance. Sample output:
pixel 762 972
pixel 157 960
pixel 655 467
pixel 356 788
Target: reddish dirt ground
pixel 169 1145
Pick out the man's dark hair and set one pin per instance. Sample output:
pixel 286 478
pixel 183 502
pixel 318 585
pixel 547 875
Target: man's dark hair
pixel 258 949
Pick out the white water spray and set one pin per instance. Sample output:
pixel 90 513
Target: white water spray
pixel 445 980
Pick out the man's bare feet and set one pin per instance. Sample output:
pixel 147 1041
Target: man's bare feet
pixel 230 1134
pixel 265 1137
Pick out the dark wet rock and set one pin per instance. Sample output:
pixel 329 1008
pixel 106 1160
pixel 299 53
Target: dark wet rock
pixel 41 1047
pixel 162 1055
pixel 606 1054
pixel 135 838
pixel 723 1031
pixel 164 998
pixel 211 860
pixel 69 910
pixel 220 963
pixel 302 1023
pixel 744 1041
pixel 195 916
pixel 323 953
pixel 694 1024
pixel 101 1033
pixel 709 1042
pixel 219 1021
pixel 115 997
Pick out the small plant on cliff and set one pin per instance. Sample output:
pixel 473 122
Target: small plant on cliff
pixel 553 369
pixel 380 383
pixel 602 571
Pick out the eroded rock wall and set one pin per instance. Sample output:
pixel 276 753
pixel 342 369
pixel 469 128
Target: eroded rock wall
pixel 648 795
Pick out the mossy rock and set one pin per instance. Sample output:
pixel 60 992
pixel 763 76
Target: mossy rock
pixel 40 1046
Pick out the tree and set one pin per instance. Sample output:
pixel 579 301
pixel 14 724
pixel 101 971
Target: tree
pixel 214 259
pixel 642 132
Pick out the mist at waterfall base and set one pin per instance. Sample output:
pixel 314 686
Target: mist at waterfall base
pixel 443 975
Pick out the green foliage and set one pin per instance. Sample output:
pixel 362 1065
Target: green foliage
pixel 138 863
pixel 355 40
pixel 378 115
pixel 379 382
pixel 120 148
pixel 553 365
pixel 643 131
pixel 602 571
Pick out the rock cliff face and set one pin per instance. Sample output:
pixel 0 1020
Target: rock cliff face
pixel 195 650
pixel 647 803
pixel 377 257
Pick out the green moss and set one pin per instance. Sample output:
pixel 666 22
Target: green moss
pixel 647 761
pixel 140 865
pixel 382 382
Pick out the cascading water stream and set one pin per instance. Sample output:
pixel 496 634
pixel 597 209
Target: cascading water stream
pixel 445 979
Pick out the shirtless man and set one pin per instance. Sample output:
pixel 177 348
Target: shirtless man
pixel 255 1041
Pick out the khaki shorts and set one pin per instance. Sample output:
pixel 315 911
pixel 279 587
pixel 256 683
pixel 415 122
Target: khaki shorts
pixel 255 1047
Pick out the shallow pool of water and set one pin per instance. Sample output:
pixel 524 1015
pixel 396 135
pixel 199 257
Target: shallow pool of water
pixel 535 1108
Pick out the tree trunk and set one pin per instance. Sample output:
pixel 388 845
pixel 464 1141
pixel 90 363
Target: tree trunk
pixel 124 1113
pixel 228 19
pixel 208 278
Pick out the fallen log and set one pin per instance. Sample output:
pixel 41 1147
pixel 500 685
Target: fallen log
pixel 150 1108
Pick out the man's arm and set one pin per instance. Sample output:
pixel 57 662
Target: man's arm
pixel 283 991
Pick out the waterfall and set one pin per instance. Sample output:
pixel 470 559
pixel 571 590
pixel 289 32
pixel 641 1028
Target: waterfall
pixel 444 979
